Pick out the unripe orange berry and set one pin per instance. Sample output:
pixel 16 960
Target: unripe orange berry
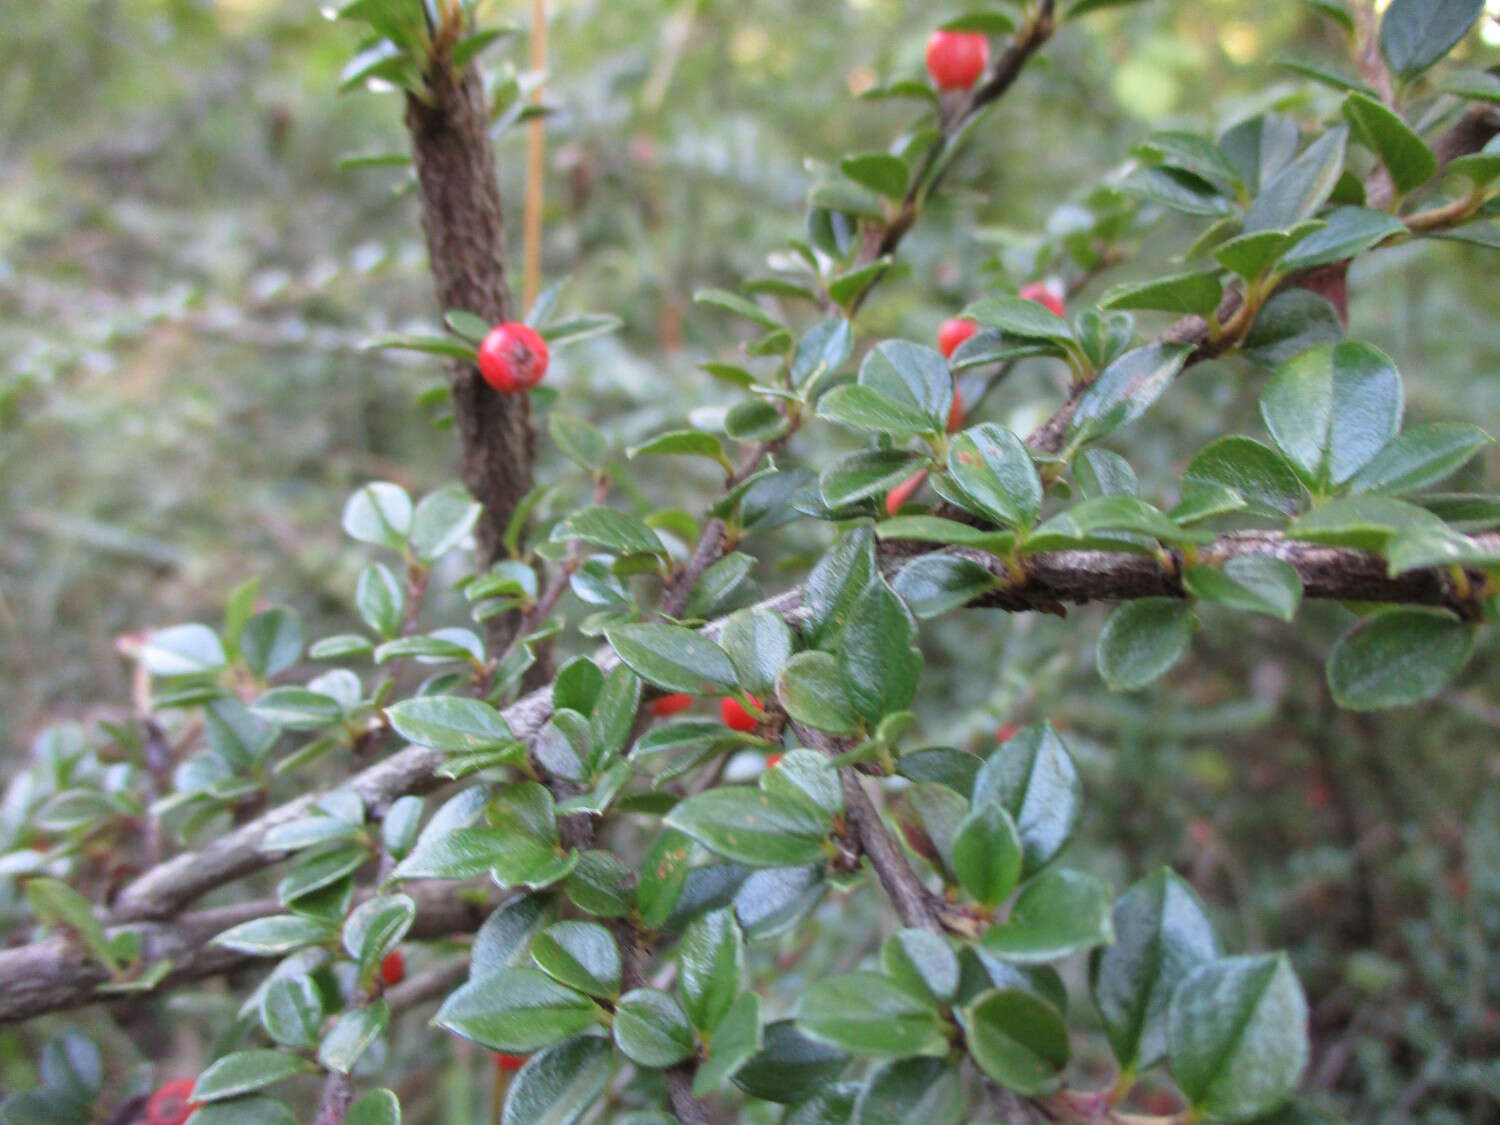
pixel 172 1103
pixel 897 497
pixel 513 357
pixel 671 704
pixel 956 59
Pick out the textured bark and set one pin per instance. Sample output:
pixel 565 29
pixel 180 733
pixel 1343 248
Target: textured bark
pixel 462 222
pixel 54 975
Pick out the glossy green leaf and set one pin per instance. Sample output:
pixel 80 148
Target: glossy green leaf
pixel 245 1071
pixel 878 171
pixel 449 722
pixel 811 689
pixel 1420 458
pixel 861 408
pixel 674 658
pixel 1252 583
pixel 1017 1039
pixel 1142 640
pixel 921 962
pixel 517 1010
pixel 291 1010
pixel 579 441
pixel 441 522
pixel 1162 933
pixel 1057 913
pixel 379 513
pixel 1254 471
pixel 753 827
pixel 879 662
pixel 1414 34
pixel 352 1034
pixel 710 967
pixel 1364 522
pixel 935 584
pixel 1398 657
pixel 651 1029
pixel 865 475
pixel 1290 323
pixel 870 1014
pixel 1196 294
pixel 581 955
pixel 1016 316
pixel 1035 780
pixel 735 1039
pixel 1301 186
pixel 560 1085
pixel 1405 155
pixel 610 530
pixel 994 471
pixel 986 854
pixel 1125 390
pixel 276 935
pixel 791 1067
pixel 906 1090
pixel 375 1107
pixel 1237 1032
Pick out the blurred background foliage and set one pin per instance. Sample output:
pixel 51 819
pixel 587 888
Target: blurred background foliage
pixel 187 277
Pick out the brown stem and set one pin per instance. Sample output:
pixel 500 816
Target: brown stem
pixel 338 1095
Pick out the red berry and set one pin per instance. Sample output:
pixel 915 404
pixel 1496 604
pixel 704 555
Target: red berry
pixel 513 358
pixel 734 715
pixel 956 414
pixel 772 761
pixel 1044 295
pixel 504 1062
pixel 172 1103
pixel 956 59
pixel 671 704
pixel 1006 733
pixel 953 332
pixel 897 497
pixel 393 968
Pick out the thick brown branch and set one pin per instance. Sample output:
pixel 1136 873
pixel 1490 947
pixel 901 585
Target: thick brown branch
pixel 54 974
pixel 461 220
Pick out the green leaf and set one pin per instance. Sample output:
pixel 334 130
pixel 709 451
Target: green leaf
pixel 1251 255
pixel 811 689
pixel 244 1071
pixel 1238 1035
pixel 297 708
pixel 1398 657
pixel 1016 316
pixel 271 642
pixel 739 306
pixel 880 172
pixel 935 584
pixel 581 955
pixel 1414 34
pixel 1368 523
pixel 836 582
pixel 1017 1039
pixel 992 22
pixel 861 408
pixel 1057 913
pixel 808 776
pixel 613 715
pixel 710 967
pixel 1195 294
pixel 758 643
pixel 444 346
pixel 609 529
pixel 244 1111
pixel 519 1010
pixel 1142 640
pixel 376 926
pixel 994 470
pixel 461 853
pixel 441 521
pixel 986 855
pixel 56 904
pixel 572 329
pixel 560 1085
pixel 315 872
pixel 933 529
pixel 1125 390
pixel 291 1010
pixel 674 658
pixel 754 420
pixel 791 1067
pixel 579 441
pixel 821 351
pixel 752 827
pixel 662 877
pixel 376 1107
pixel 352 1034
pixel 1337 77
pixel 1034 779
pixel 925 1090
pixel 879 662
pixel 379 513
pixel 735 1039
pixel 651 1029
pixel 449 722
pixel 1190 152
pixel 681 443
pixel 1405 155
pixel 1332 409
pixel 504 940
pixel 1420 458
pixel 939 812
pixel 1098 524
pixel 1289 324
pixel 1252 583
pixel 922 963
pixel 1162 933
pixel 1301 187
pixel 182 650
pixel 912 375
pixel 870 1014
pixel 1477 85
pixel 276 935
pixel 1254 471
pixel 380 599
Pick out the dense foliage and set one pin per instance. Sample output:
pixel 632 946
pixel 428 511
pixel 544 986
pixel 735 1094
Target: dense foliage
pixel 756 757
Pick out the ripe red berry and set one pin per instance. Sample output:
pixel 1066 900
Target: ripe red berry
pixel 897 497
pixel 772 761
pixel 671 704
pixel 513 358
pixel 504 1062
pixel 1044 295
pixel 734 715
pixel 172 1103
pixel 1006 733
pixel 953 332
pixel 956 59
pixel 393 968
